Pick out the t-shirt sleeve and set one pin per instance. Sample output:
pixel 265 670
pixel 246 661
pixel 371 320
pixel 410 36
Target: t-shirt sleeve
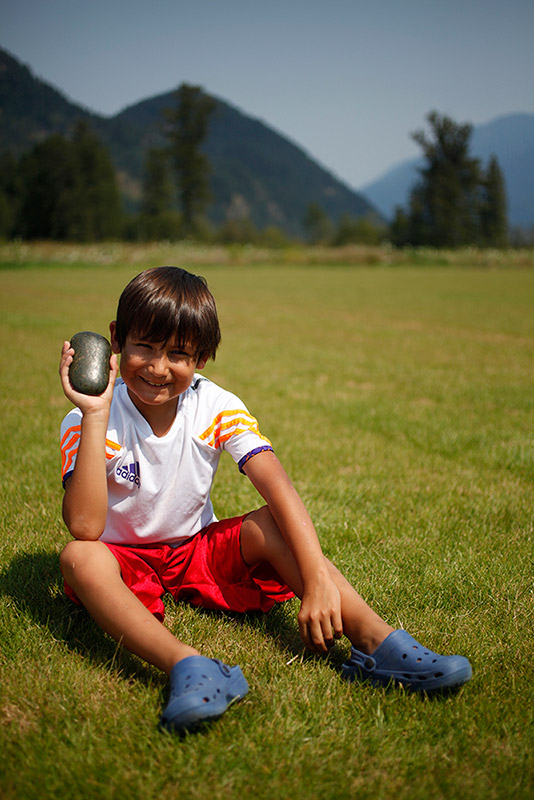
pixel 235 430
pixel 70 440
pixel 71 431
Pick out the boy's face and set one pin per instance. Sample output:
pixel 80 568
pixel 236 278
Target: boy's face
pixel 155 373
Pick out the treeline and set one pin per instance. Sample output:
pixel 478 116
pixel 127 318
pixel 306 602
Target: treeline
pixel 66 189
pixel 456 202
pixel 62 189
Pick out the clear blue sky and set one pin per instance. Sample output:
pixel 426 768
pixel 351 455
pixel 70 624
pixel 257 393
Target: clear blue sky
pixel 346 80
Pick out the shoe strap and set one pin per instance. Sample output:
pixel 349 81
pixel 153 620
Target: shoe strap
pixel 362 659
pixel 225 669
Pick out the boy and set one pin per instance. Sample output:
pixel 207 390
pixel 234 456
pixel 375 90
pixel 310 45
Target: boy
pixel 138 463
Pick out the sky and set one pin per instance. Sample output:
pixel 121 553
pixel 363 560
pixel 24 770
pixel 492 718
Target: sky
pixel 347 81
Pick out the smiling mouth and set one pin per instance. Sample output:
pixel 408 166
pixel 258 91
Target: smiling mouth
pixel 155 385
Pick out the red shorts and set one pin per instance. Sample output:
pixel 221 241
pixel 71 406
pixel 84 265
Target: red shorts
pixel 208 570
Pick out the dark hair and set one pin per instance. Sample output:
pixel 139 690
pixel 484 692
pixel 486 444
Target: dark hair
pixel 166 302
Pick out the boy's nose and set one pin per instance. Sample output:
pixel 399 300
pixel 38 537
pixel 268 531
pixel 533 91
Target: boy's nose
pixel 158 365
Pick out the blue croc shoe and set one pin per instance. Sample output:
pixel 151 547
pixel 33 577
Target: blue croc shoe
pixel 201 689
pixel 400 659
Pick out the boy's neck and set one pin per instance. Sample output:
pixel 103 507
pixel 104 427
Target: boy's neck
pixel 160 418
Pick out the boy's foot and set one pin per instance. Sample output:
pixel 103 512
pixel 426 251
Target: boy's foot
pixel 201 689
pixel 401 659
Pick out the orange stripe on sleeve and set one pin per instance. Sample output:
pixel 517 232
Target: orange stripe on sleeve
pixel 237 431
pixel 111 446
pixel 68 459
pixel 218 420
pixel 69 447
pixel 228 424
pixel 74 429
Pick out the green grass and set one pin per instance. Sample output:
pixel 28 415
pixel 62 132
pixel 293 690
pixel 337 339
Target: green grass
pixel 401 401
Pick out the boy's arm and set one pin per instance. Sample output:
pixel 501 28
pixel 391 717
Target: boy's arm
pixel 85 501
pixel 320 611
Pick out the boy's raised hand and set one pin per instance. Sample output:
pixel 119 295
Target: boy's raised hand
pixel 85 500
pixel 85 402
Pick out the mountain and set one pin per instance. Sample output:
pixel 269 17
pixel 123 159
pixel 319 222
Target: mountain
pixel 30 109
pixel 256 172
pixel 510 138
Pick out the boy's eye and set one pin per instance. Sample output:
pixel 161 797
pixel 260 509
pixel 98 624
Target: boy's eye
pixel 174 353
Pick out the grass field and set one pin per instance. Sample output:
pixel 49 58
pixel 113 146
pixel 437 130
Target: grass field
pixel 400 398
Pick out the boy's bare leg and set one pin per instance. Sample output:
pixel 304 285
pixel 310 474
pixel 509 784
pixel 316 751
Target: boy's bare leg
pixel 94 573
pixel 261 540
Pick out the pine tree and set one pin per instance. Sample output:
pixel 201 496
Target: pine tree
pixel 494 220
pixel 9 193
pixel 68 190
pixel 97 202
pixel 49 185
pixel 157 185
pixel 157 219
pixel 445 204
pixel 357 230
pixel 187 130
pixel 317 224
pixel 399 231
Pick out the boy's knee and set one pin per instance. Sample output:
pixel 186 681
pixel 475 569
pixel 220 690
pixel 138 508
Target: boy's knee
pixel 259 533
pixel 256 523
pixel 259 518
pixel 78 555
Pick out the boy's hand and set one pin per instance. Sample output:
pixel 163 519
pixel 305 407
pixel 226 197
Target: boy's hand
pixel 86 403
pixel 319 618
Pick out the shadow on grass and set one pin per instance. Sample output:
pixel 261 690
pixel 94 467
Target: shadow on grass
pixel 34 583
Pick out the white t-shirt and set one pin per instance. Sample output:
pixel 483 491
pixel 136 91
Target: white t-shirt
pixel 159 487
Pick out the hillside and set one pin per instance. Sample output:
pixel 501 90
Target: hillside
pixel 256 172
pixel 510 138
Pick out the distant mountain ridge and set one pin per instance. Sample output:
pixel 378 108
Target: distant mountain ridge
pixel 510 138
pixel 256 172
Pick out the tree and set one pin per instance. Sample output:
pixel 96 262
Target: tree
pixel 188 127
pixel 447 198
pixel 455 202
pixel 68 190
pixel 450 181
pixel 9 193
pixel 157 185
pixel 409 227
pixel 317 224
pixel 494 219
pixel 400 228
pixel 49 186
pixel 357 230
pixel 97 202
pixel 157 219
pixel 238 230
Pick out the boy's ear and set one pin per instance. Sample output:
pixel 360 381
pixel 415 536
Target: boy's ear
pixel 113 337
pixel 201 363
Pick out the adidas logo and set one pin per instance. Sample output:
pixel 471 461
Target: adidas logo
pixel 130 473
